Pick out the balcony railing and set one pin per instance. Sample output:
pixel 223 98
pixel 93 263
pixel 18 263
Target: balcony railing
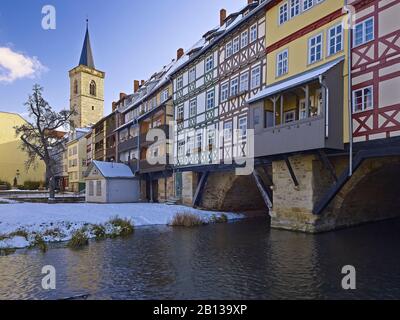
pixel 146 167
pixel 143 136
pixel 128 144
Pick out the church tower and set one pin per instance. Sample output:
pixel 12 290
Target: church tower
pixel 86 88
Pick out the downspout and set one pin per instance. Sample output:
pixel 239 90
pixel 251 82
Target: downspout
pixel 321 81
pixel 349 90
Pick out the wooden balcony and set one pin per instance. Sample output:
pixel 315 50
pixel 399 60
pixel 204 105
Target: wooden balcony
pixel 128 144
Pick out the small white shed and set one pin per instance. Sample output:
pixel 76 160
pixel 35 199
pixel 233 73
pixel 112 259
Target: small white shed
pixel 109 182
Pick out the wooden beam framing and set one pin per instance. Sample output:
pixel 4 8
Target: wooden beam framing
pixel 200 187
pixel 292 174
pixel 327 164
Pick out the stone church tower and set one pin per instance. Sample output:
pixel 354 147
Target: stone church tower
pixel 87 89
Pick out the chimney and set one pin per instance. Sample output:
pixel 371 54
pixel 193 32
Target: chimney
pixel 122 95
pixel 179 53
pixel 142 83
pixel 114 106
pixel 250 1
pixel 222 16
pixel 136 85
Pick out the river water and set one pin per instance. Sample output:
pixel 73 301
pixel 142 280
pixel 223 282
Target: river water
pixel 240 260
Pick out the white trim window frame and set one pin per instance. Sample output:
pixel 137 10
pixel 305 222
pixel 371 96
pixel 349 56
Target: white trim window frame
pixel 181 148
pixel 193 108
pixel 228 49
pixel 364 32
pixel 283 13
pixel 236 45
pixel 224 91
pixel 192 75
pixel 307 4
pixel 234 87
pixel 179 83
pixel 244 82
pixel 315 48
pixel 228 131
pixel 363 99
pixel 210 100
pixel 290 116
pixel 295 8
pixel 335 39
pixel 209 63
pixel 253 33
pixel 242 126
pixel 282 63
pixel 180 112
pixel 244 39
pixel 255 77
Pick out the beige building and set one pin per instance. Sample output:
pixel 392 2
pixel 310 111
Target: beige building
pixel 12 160
pixel 86 89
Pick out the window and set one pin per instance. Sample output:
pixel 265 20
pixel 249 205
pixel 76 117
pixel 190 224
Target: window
pixel 283 13
pixel 294 8
pixel 193 108
pixel 199 141
pixel 164 95
pixel 92 108
pixel 179 83
pixel 315 49
pixel 181 148
pixel 228 49
pixel 210 100
pixel 282 63
pixel 253 33
pixel 189 145
pixel 211 137
pixel 290 116
pixel 224 92
pixel 255 77
pixel 362 99
pixel 335 39
pixel 269 119
pixel 180 113
pixel 364 32
pixel 209 63
pixel 244 39
pixel 243 128
pixel 92 88
pixel 91 188
pixel 98 188
pixel 76 87
pixel 303 110
pixel 307 4
pixel 192 75
pixel 244 82
pixel 234 87
pixel 236 45
pixel 228 131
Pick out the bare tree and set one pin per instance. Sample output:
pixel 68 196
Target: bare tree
pixel 38 136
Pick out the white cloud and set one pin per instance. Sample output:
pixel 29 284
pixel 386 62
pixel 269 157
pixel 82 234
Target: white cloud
pixel 14 65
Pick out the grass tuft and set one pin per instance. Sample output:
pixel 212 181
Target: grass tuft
pixel 186 219
pixel 19 233
pixel 223 218
pixel 99 231
pixel 39 243
pixel 79 239
pixel 124 226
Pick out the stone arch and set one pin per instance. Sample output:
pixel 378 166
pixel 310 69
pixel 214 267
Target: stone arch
pixel 372 194
pixel 227 191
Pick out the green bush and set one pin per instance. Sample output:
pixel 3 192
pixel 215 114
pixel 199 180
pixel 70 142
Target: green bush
pixel 32 185
pixel 186 219
pixel 79 239
pixel 125 226
pixel 4 185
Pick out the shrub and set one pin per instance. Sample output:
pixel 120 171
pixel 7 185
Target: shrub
pixel 79 239
pixel 186 219
pixel 99 231
pixel 32 185
pixel 223 218
pixel 4 185
pixel 124 226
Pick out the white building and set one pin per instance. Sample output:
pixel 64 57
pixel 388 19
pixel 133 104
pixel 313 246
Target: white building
pixel 109 182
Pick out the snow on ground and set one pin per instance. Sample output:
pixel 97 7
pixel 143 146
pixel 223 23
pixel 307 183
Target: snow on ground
pixel 67 218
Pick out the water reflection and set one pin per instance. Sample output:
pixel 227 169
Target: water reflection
pixel 243 260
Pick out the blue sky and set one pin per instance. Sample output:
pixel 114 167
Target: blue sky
pixel 130 39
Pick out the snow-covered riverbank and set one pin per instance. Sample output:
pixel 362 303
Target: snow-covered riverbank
pixel 57 222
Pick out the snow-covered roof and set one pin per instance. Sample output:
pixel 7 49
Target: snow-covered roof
pixel 112 169
pixel 295 81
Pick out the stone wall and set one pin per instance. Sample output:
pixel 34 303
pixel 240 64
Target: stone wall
pixel 165 189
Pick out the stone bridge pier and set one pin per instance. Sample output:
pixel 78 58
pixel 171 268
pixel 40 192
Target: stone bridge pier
pixel 371 194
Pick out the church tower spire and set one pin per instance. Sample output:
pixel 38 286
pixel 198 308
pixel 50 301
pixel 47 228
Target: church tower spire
pixel 86 88
pixel 87 55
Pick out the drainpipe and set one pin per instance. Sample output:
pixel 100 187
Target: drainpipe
pixel 349 93
pixel 321 81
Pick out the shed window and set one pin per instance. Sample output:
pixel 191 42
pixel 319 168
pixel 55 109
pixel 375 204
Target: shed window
pixel 91 188
pixel 98 188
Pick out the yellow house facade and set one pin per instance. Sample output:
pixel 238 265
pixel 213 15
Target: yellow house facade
pixel 12 160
